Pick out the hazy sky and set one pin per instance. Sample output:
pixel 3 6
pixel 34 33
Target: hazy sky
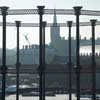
pixel 33 32
pixel 22 4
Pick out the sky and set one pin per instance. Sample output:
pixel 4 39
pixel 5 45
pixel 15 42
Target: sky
pixel 33 33
pixel 18 4
pixel 29 4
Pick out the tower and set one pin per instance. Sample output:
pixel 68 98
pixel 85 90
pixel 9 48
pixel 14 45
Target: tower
pixel 55 30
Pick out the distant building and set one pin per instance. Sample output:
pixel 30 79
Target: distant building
pixel 30 54
pixel 59 43
pixel 57 51
pixel 55 30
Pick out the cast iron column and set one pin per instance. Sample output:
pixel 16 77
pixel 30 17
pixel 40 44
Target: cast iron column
pixel 69 24
pixel 93 23
pixel 40 12
pixel 18 24
pixel 77 13
pixel 43 43
pixel 4 12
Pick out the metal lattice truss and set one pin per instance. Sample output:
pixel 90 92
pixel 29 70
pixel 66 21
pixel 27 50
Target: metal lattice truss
pixel 48 24
pixel 51 11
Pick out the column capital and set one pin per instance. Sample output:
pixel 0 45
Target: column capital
pixel 69 23
pixel 18 23
pixel 4 10
pixel 77 10
pixel 44 23
pixel 41 10
pixel 93 22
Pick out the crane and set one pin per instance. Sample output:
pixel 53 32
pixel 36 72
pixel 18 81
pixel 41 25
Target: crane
pixel 26 38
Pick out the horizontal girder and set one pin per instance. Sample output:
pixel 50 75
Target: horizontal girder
pixel 51 11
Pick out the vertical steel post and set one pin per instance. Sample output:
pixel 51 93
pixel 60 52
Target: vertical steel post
pixel 18 24
pixel 40 12
pixel 69 24
pixel 77 13
pixel 93 23
pixel 43 43
pixel 4 67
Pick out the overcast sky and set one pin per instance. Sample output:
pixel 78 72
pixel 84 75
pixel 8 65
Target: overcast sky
pixel 32 33
pixel 23 4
